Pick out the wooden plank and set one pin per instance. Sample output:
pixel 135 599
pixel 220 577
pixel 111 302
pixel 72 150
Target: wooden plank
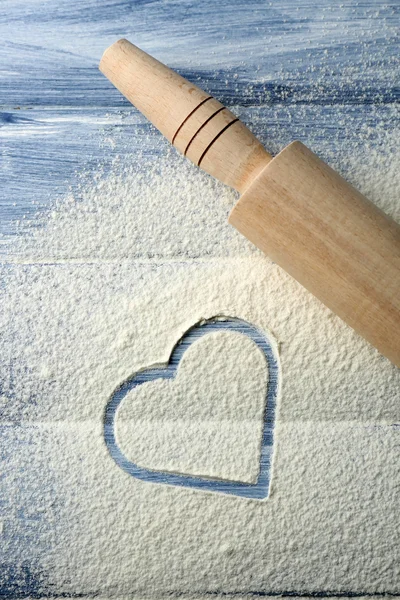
pixel 287 50
pixel 47 152
pixel 326 74
pixel 279 60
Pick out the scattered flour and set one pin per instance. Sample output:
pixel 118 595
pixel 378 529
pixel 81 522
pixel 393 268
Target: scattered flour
pixel 156 213
pixel 207 421
pixel 130 265
pixel 161 208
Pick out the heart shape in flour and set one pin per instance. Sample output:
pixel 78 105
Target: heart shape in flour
pixel 204 420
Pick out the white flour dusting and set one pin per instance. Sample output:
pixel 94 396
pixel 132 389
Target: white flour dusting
pixel 131 266
pixel 208 421
pixel 167 209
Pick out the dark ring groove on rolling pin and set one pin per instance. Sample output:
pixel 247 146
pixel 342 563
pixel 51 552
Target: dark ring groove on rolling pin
pixel 215 139
pixel 201 127
pixel 189 115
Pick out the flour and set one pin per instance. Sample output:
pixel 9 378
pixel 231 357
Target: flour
pixel 132 262
pixel 208 421
pixel 151 208
pixel 132 215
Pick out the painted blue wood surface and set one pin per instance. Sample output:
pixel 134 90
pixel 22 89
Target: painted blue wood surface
pixel 274 61
pixel 321 73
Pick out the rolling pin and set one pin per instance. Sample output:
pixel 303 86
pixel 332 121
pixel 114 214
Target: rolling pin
pixel 294 207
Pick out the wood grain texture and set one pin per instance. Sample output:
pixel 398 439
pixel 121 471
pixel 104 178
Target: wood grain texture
pixel 325 234
pixel 326 74
pixel 247 51
pixel 219 143
pixel 298 210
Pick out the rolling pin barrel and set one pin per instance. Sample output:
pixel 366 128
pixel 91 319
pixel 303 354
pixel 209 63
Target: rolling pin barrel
pixel 294 207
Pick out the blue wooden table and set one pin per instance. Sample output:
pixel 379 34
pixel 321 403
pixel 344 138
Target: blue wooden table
pixel 327 74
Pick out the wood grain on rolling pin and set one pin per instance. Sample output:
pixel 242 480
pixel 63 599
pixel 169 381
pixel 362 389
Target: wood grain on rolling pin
pixel 203 129
pixel 331 239
pixel 295 208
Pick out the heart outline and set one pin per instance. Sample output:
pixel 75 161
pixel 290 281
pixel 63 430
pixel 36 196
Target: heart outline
pixel 260 489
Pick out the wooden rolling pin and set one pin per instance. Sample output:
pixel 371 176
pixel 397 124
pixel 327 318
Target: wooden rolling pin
pixel 309 220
